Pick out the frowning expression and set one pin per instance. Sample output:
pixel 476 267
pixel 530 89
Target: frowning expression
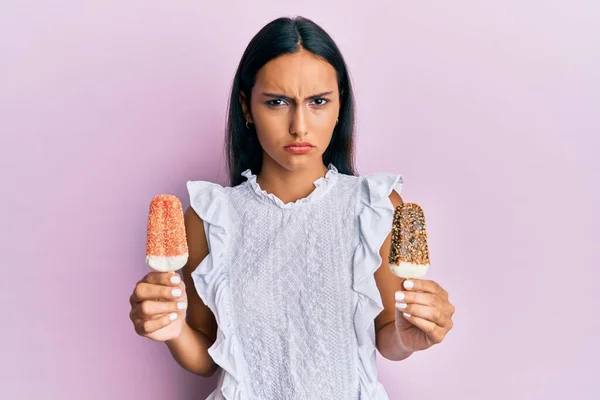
pixel 294 106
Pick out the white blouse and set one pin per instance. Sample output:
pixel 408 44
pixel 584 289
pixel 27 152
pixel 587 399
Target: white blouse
pixel 292 288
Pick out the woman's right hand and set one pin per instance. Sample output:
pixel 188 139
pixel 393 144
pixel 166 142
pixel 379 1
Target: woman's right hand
pixel 158 306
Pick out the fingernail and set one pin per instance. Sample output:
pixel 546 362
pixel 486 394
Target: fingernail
pixel 406 315
pixel 400 296
pixel 176 292
pixel 409 284
pixel 400 305
pixel 175 279
pixel 173 316
pixel 181 305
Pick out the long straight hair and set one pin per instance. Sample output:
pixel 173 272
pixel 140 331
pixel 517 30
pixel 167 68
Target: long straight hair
pixel 279 37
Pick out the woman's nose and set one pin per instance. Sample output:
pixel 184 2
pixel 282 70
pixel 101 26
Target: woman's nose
pixel 298 125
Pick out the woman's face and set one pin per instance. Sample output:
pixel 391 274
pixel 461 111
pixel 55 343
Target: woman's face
pixel 294 106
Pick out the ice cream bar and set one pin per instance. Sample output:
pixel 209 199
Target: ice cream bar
pixel 409 254
pixel 166 246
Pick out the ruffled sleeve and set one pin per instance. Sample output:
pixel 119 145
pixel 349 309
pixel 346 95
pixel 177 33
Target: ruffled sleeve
pixel 375 218
pixel 209 201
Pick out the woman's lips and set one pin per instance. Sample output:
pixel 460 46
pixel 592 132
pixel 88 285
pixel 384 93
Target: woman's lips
pixel 299 148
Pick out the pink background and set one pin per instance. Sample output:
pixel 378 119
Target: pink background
pixel 490 110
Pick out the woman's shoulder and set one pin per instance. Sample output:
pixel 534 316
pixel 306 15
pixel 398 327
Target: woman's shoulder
pixel 201 190
pixel 374 185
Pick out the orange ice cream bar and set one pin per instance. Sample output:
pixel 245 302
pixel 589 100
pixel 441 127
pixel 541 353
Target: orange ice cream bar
pixel 409 253
pixel 166 246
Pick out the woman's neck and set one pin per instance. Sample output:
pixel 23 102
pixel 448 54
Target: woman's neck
pixel 289 186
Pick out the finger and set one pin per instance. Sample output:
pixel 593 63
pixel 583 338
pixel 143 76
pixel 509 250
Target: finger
pixel 150 309
pixel 432 314
pixel 132 300
pixel 135 315
pixel 426 299
pixel 145 327
pixel 435 333
pixel 158 278
pixel 163 278
pixel 147 291
pixel 424 285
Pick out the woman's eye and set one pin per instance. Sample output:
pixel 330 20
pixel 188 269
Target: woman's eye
pixel 320 102
pixel 276 103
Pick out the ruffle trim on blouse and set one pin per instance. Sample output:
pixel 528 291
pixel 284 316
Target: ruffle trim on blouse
pixel 211 282
pixel 321 186
pixel 375 222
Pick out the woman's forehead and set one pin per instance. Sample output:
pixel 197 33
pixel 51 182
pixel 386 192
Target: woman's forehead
pixel 301 73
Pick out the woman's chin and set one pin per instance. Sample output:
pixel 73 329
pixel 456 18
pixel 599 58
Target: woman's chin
pixel 299 162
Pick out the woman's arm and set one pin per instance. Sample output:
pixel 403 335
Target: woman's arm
pixel 199 331
pixel 388 284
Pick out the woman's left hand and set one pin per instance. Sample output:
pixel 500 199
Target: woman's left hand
pixel 423 314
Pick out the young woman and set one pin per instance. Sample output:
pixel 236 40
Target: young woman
pixel 287 287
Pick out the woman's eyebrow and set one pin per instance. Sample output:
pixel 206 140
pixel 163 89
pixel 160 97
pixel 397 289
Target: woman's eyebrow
pixel 287 98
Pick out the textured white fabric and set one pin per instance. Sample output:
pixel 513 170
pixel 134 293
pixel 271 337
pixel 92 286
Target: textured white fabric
pixel 292 287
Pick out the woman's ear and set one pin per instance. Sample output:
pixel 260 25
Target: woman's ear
pixel 245 107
